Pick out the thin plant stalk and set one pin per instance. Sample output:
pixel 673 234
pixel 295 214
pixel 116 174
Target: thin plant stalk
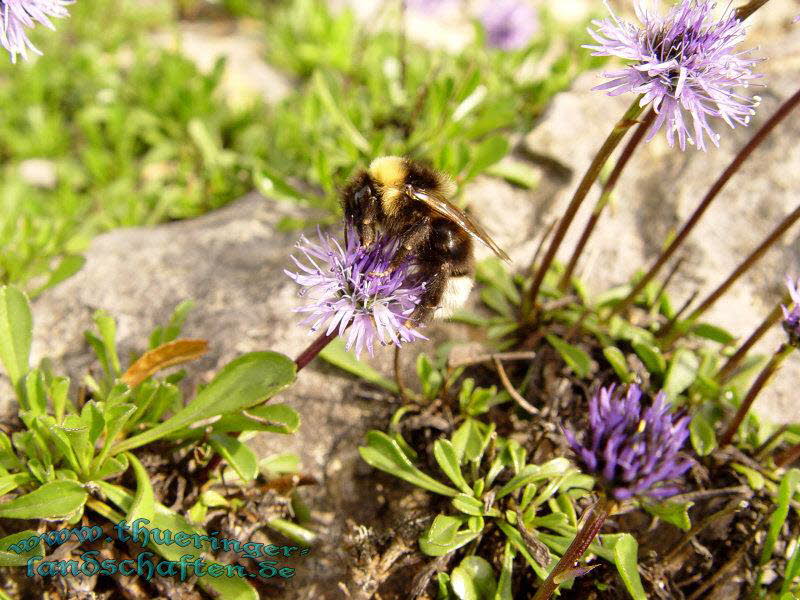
pixel 788 456
pixel 783 111
pixel 736 358
pixel 748 9
pixel 766 374
pixel 605 196
pixel 563 570
pixel 743 267
pixel 600 159
pixel 314 348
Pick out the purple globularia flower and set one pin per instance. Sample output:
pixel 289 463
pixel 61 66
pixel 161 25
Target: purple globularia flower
pixel 346 290
pixel 427 4
pixel 19 15
pixel 791 317
pixel 509 24
pixel 635 451
pixel 684 64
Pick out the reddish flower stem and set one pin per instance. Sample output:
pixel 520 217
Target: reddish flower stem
pixel 600 159
pixel 729 367
pixel 748 9
pixel 605 196
pixel 783 111
pixel 591 527
pixel 788 456
pixel 307 355
pixel 766 374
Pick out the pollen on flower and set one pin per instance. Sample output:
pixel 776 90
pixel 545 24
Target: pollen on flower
pixel 684 64
pixel 347 291
pixel 21 15
pixel 635 450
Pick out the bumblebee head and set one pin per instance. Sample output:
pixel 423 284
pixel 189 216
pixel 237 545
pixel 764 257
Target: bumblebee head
pixel 388 171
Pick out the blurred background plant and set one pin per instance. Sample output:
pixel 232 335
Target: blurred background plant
pixel 110 129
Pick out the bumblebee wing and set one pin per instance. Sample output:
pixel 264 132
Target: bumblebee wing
pixel 467 223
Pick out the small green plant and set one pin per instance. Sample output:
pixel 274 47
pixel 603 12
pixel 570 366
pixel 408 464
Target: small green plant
pixel 71 454
pixel 109 132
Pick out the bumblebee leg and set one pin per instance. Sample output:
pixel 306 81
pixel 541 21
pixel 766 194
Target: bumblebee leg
pixel 410 239
pixel 435 285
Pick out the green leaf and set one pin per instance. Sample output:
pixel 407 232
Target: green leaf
pixel 293 531
pixel 8 483
pixel 162 335
pixel 10 558
pixel 505 585
pixel 445 455
pixel 626 558
pixel 790 573
pixel 471 439
pixel 786 491
pixel 473 579
pixel 276 418
pixel 444 536
pixel 335 354
pixel 515 539
pixel 681 373
pixel 278 464
pixel 493 271
pixel 333 109
pixel 754 479
pixel 576 358
pixel 516 172
pixel 713 333
pixel 236 454
pixel 107 328
pixel 144 501
pixel 469 505
pixel 53 501
pixel 241 384
pixel 111 467
pixel 704 440
pixel 16 332
pixel 488 152
pixel 651 357
pixel 383 453
pixel 675 513
pixel 616 359
pixel 68 266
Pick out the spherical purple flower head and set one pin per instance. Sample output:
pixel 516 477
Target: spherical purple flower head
pixel 345 291
pixel 685 64
pixel 791 317
pixel 634 451
pixel 509 24
pixel 19 15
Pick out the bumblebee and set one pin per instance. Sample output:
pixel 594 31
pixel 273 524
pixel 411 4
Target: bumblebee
pixel 410 202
